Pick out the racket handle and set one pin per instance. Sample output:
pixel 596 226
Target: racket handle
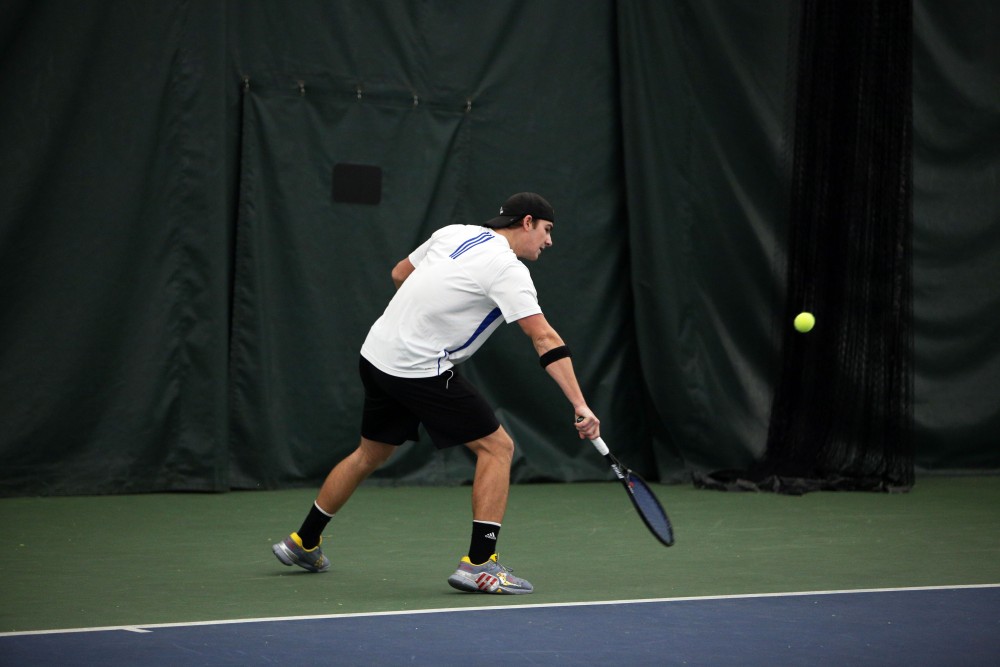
pixel 598 444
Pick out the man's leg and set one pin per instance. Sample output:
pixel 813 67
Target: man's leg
pixel 491 484
pixel 480 570
pixel 490 488
pixel 345 477
pixel 302 548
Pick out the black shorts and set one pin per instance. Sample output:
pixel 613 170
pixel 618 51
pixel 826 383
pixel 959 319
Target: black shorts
pixel 449 407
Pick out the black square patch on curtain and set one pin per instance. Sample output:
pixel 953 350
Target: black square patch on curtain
pixel 357 183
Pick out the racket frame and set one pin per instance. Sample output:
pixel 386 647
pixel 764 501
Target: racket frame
pixel 624 474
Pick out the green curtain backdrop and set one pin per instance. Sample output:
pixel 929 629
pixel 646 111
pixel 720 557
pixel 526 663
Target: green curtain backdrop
pixel 956 236
pixel 704 95
pixel 456 121
pixel 181 301
pixel 312 275
pixel 113 248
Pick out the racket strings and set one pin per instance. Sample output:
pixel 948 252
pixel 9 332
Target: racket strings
pixel 650 509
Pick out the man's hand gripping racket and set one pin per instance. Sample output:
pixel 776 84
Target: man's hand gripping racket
pixel 642 497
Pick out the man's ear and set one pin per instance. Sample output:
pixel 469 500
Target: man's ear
pixel 527 222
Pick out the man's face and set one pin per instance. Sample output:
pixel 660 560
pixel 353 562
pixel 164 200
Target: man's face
pixel 537 237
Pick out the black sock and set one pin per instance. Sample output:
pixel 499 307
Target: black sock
pixel 484 541
pixel 313 526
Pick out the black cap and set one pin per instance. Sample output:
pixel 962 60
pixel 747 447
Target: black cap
pixel 520 205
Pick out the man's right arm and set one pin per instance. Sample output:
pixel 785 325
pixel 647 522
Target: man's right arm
pixel 545 338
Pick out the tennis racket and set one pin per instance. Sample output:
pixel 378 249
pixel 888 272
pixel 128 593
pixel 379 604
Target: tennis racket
pixel 642 497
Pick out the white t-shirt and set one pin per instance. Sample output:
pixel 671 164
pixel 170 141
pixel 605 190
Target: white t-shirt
pixel 467 278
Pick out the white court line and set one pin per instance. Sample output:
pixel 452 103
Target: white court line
pixel 744 596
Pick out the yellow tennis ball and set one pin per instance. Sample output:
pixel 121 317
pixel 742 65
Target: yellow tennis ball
pixel 804 322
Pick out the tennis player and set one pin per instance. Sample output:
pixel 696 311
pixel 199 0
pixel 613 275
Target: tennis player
pixel 452 293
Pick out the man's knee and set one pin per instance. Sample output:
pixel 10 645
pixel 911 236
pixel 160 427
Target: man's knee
pixel 370 454
pixel 498 445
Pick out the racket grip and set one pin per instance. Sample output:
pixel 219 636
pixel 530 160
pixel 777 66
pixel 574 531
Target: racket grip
pixel 598 444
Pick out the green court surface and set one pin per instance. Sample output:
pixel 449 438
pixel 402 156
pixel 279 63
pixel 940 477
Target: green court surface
pixel 171 558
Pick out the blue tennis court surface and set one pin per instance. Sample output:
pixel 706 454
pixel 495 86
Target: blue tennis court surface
pixel 931 626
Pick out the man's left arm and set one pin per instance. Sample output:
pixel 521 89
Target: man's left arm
pixel 402 271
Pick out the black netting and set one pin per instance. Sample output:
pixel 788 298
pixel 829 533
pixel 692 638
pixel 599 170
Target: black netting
pixel 842 410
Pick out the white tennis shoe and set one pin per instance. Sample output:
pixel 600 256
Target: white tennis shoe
pixel 490 577
pixel 291 552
